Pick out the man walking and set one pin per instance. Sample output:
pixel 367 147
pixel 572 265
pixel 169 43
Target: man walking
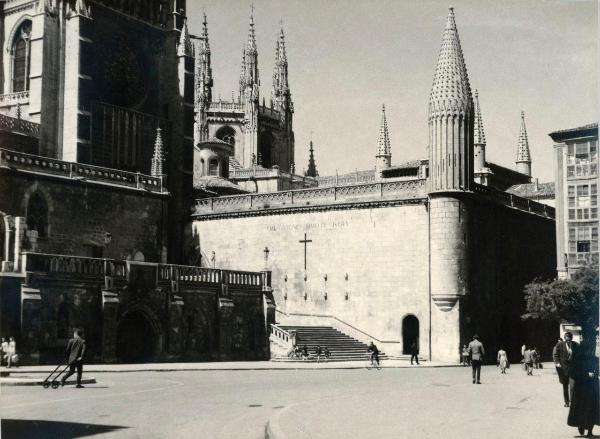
pixel 562 355
pixel 476 352
pixel 414 352
pixel 75 353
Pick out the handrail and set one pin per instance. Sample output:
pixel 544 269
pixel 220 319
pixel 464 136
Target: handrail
pixel 20 125
pixel 281 334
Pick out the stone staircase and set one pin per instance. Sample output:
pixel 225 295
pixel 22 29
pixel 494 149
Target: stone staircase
pixel 341 346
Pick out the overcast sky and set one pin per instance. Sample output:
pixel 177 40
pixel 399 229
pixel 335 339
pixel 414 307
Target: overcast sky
pixel 347 57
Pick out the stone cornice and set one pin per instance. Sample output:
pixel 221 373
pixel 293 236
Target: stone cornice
pixel 306 209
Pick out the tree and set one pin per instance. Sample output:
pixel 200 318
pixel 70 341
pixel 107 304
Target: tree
pixel 574 300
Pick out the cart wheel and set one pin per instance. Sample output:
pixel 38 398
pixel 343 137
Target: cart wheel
pixel 55 385
pixel 46 385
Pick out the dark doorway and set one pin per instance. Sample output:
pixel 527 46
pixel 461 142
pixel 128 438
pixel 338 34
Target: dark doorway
pixel 410 333
pixel 136 338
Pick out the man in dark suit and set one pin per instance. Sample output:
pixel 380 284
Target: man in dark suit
pixel 476 352
pixel 562 355
pixel 75 353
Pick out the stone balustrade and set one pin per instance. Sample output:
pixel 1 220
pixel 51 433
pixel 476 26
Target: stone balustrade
pixel 514 201
pixel 402 190
pixel 281 334
pixel 221 106
pixel 80 171
pixel 67 265
pixel 73 265
pixel 19 125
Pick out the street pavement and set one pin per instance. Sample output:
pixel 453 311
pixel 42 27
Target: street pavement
pixel 294 403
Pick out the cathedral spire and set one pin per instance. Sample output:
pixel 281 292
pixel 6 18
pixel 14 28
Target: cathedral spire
pixel 523 161
pixel 156 168
pixel 383 158
pixel 478 137
pixel 243 75
pixel 281 91
pixel 185 42
pixel 251 55
pixel 450 117
pixel 312 166
pixel 203 83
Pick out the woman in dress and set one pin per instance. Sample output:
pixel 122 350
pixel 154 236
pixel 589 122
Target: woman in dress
pixel 502 360
pixel 584 412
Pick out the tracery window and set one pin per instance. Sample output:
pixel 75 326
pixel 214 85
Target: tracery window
pixel 37 214
pixel 21 58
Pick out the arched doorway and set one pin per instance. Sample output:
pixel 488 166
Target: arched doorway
pixel 410 332
pixel 136 338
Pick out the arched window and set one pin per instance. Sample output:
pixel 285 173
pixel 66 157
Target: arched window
pixel 226 134
pixel 37 214
pixel 213 167
pixel 21 58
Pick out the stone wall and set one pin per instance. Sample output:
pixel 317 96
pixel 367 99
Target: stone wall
pixel 80 214
pixel 367 267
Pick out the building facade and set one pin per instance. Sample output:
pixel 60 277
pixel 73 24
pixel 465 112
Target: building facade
pixel 576 171
pixel 428 255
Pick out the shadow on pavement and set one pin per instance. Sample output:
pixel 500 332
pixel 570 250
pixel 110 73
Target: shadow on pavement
pixel 25 429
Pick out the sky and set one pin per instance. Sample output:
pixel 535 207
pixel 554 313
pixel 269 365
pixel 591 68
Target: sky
pixel 348 57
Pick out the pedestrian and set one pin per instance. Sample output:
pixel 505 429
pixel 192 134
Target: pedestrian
pixel 11 352
pixel 304 352
pixel 4 353
pixel 584 412
pixel 414 352
pixel 373 353
pixel 465 356
pixel 318 352
pixel 326 353
pixel 563 353
pixel 536 358
pixel 75 352
pixel 476 352
pixel 528 360
pixel 502 360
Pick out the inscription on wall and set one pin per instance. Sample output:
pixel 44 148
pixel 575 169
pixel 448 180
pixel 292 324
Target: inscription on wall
pixel 308 226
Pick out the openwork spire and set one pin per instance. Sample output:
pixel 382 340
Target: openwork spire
pixel 479 134
pixel 251 57
pixel 156 169
pixel 312 166
pixel 451 89
pixel 185 42
pixel 523 154
pixel 383 146
pixel 281 91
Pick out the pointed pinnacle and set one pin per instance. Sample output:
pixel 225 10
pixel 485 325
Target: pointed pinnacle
pixel 384 146
pixel 479 134
pixel 523 154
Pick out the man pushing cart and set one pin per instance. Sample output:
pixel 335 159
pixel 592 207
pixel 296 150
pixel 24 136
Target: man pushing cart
pixel 75 353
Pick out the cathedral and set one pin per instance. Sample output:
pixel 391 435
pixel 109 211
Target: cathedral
pixel 137 207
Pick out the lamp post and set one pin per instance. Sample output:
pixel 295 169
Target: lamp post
pixel 266 251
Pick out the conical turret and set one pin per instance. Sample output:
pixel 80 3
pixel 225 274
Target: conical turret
pixel 523 161
pixel 450 117
pixel 478 138
pixel 383 158
pixel 202 85
pixel 312 166
pixel 156 167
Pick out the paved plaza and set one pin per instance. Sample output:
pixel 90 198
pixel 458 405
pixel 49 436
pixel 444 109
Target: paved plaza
pixel 294 403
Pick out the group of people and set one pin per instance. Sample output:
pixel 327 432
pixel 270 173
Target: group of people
pixel 9 355
pixel 302 352
pixel 577 369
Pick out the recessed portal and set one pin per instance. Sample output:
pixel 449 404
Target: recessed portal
pixel 136 338
pixel 410 333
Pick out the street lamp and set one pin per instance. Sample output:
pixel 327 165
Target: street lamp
pixel 266 251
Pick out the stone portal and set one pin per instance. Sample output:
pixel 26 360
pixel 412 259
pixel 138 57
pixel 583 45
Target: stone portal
pixel 136 338
pixel 410 333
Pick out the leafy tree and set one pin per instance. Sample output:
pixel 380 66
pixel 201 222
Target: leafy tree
pixel 574 300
